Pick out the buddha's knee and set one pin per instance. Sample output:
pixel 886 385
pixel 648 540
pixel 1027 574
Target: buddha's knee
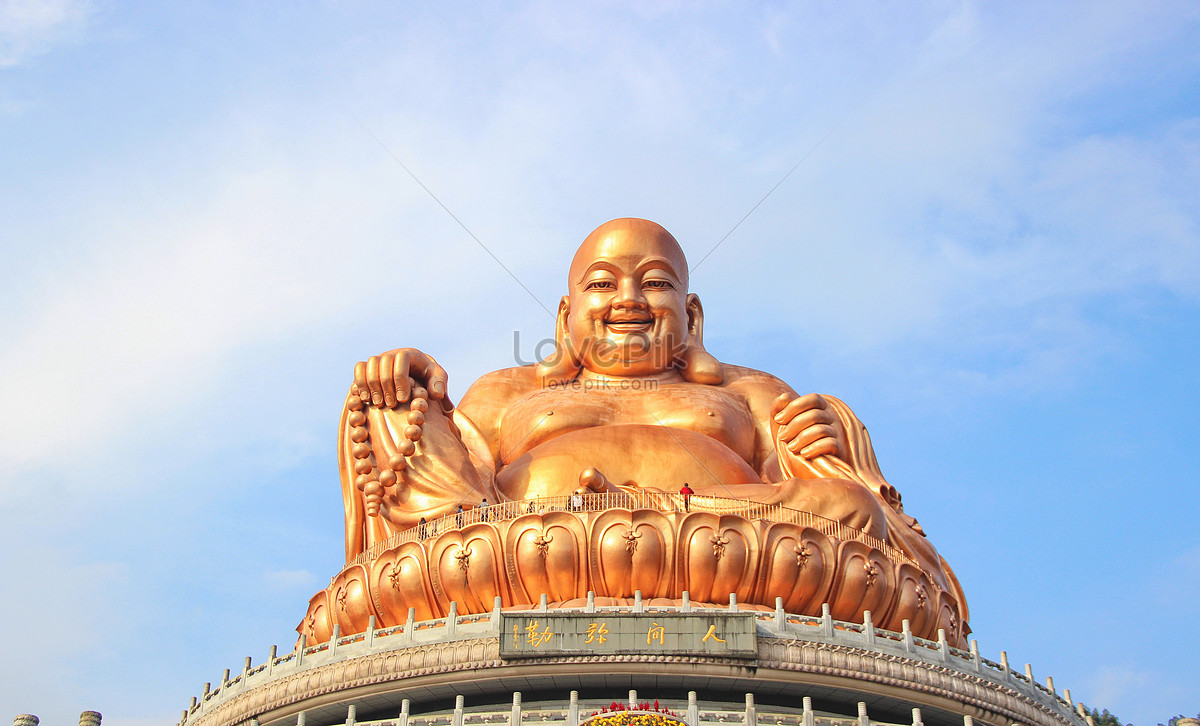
pixel 847 502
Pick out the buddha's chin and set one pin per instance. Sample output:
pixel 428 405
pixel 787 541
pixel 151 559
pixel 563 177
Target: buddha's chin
pixel 635 364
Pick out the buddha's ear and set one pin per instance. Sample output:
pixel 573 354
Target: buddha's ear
pixel 694 363
pixel 563 364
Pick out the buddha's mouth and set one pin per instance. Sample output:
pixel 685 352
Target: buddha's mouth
pixel 629 324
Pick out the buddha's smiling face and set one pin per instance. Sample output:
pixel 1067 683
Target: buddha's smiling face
pixel 628 302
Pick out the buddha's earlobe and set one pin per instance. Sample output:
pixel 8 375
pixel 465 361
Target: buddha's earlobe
pixel 563 364
pixel 694 363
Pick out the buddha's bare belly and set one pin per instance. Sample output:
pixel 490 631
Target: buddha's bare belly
pixel 629 455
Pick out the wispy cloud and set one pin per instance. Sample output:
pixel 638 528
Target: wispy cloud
pixel 1113 683
pixel 291 580
pixel 29 28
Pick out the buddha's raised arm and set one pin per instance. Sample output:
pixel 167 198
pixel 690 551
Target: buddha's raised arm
pixel 404 452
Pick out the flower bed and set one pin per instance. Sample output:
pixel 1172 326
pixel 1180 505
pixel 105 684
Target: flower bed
pixel 640 714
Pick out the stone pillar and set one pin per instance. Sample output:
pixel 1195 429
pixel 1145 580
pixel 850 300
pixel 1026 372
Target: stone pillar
pixel 968 721
pixel 810 718
pixel 408 624
pixel 733 602
pixel 687 601
pixel 403 713
pixel 458 709
pixel 452 618
pixel 693 714
pixel 591 601
pixel 26 719
pixel 906 630
pixel 862 715
pixel 300 719
pixel 351 715
pixel 637 601
pixel 826 621
pixel 868 628
pixel 751 711
pixel 514 718
pixel 632 698
pixel 573 710
pixel 917 717
pixel 780 615
pixel 90 718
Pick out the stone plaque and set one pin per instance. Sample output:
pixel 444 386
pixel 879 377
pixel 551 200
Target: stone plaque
pixel 730 635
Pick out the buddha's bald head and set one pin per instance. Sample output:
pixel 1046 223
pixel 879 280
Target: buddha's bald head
pixel 629 238
pixel 628 312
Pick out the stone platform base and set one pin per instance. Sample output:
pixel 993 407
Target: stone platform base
pixel 396 674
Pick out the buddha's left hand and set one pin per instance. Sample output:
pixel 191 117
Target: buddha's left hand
pixel 807 427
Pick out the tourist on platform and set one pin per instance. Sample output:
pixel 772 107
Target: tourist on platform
pixel 687 492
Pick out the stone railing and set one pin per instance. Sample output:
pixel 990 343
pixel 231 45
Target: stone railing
pixel 780 634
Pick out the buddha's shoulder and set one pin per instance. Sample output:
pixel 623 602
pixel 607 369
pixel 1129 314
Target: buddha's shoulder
pixel 500 387
pixel 751 382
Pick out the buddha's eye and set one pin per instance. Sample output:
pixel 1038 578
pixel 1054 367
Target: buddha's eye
pixel 600 285
pixel 659 284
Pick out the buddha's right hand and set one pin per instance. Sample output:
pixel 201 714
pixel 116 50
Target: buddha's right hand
pixel 383 380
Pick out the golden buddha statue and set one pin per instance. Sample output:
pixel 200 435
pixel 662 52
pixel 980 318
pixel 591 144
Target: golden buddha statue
pixel 561 478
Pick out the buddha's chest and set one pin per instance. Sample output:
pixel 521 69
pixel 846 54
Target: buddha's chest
pixel 551 411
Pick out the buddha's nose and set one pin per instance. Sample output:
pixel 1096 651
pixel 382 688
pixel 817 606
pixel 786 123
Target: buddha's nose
pixel 629 296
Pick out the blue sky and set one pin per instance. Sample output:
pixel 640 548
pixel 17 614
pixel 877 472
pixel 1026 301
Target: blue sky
pixel 990 251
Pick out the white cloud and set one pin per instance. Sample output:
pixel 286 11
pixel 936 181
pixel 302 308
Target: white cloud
pixel 290 579
pixel 1112 684
pixel 31 27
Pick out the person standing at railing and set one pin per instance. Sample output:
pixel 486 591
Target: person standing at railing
pixel 687 493
pixel 458 517
pixel 483 510
pixel 422 529
pixel 577 501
